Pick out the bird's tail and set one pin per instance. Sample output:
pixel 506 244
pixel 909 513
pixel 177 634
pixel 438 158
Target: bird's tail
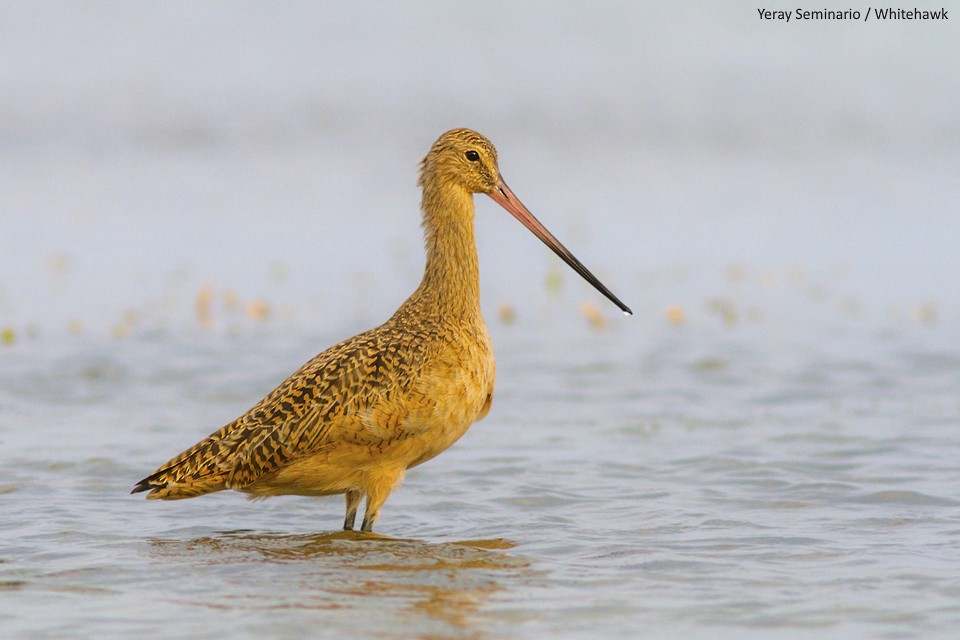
pixel 196 471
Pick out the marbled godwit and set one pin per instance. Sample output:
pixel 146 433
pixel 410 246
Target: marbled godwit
pixel 353 419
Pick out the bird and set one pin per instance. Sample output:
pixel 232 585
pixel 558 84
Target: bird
pixel 354 418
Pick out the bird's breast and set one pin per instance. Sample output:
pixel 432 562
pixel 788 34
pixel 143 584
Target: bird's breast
pixel 458 381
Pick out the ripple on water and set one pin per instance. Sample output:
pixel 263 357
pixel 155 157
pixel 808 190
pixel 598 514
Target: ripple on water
pixel 907 498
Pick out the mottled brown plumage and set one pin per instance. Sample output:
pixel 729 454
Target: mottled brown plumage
pixel 355 417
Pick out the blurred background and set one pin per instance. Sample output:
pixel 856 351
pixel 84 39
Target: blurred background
pixel 223 164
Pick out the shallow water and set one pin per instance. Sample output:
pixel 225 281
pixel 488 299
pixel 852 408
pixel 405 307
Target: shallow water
pixel 768 448
pixel 678 483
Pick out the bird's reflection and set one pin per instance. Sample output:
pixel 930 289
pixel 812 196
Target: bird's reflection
pixel 433 582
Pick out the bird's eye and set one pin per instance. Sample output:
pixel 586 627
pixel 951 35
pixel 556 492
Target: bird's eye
pixel 472 155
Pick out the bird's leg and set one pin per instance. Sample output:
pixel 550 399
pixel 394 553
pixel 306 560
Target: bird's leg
pixel 376 496
pixel 369 518
pixel 353 501
pixel 374 502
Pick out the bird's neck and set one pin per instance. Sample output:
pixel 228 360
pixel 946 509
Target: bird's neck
pixel 451 280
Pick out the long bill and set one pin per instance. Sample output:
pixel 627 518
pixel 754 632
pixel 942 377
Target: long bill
pixel 503 196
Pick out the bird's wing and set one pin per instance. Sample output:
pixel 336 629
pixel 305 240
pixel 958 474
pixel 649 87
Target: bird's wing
pixel 359 391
